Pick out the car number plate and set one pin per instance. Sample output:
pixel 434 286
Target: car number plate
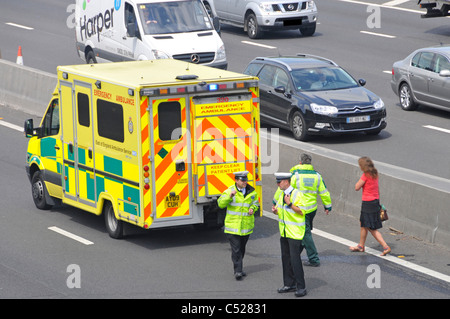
pixel 172 201
pixel 357 119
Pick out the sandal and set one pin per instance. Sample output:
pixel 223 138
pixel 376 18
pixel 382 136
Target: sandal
pixel 357 248
pixel 386 250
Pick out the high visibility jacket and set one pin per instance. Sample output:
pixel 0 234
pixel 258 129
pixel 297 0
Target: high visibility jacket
pixel 310 184
pixel 291 224
pixel 237 220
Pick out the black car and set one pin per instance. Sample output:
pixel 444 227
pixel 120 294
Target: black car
pixel 313 95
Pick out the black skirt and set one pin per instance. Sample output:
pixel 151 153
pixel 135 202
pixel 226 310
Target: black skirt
pixel 370 215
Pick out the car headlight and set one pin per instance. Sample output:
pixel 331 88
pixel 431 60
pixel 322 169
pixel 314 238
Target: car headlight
pixel 266 7
pixel 378 104
pixel 323 109
pixel 160 54
pixel 221 53
pixel 310 5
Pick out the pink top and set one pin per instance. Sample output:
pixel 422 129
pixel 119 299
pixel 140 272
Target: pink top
pixel 370 188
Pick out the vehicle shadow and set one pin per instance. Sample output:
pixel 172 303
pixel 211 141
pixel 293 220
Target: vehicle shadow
pixel 267 35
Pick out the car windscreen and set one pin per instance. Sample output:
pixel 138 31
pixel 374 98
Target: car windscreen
pixel 174 17
pixel 322 79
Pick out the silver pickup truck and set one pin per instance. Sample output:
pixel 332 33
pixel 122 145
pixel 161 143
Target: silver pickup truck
pixel 258 16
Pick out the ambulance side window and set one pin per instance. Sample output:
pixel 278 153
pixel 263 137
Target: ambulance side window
pixel 50 125
pixel 83 109
pixel 110 120
pixel 169 119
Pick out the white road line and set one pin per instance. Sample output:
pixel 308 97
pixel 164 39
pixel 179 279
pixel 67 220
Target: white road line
pixel 19 26
pixel 394 2
pixel 374 252
pixel 70 235
pixel 13 126
pixel 388 71
pixel 437 128
pixel 382 6
pixel 259 44
pixel 379 34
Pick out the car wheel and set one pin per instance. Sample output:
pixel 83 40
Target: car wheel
pixel 38 191
pixel 406 99
pixel 298 126
pixel 113 225
pixel 253 29
pixel 308 30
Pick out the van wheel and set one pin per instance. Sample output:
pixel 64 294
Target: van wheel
pixel 253 29
pixel 90 57
pixel 38 191
pixel 298 126
pixel 113 225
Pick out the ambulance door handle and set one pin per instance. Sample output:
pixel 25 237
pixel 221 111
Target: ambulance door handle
pixel 90 153
pixel 56 147
pixel 70 147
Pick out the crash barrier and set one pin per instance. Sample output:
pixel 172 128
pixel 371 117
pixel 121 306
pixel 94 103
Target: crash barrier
pixel 417 203
pixel 25 88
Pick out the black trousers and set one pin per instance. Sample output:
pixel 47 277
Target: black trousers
pixel 238 244
pixel 292 263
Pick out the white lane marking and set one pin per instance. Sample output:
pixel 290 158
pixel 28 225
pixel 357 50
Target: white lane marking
pixel 394 2
pixel 13 126
pixel 388 71
pixel 379 34
pixel 373 252
pixel 437 128
pixel 259 44
pixel 70 235
pixel 382 6
pixel 19 26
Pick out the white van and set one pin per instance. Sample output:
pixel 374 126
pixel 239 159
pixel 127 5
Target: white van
pixel 122 30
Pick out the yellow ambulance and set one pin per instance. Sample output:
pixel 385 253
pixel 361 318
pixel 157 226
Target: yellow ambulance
pixel 151 143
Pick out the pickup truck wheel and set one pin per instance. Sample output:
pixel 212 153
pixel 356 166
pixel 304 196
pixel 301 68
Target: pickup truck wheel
pixel 308 30
pixel 253 29
pixel 38 191
pixel 113 225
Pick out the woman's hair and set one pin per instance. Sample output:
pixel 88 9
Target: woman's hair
pixel 366 165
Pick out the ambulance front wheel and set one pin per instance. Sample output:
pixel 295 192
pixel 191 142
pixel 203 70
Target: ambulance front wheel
pixel 113 225
pixel 39 191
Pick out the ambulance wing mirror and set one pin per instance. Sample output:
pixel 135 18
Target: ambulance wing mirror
pixel 29 129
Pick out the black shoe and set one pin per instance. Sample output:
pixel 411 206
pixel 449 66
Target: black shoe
pixel 310 264
pixel 285 289
pixel 239 275
pixel 300 293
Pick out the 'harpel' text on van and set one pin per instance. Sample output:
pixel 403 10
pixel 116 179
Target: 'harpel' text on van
pixel 96 24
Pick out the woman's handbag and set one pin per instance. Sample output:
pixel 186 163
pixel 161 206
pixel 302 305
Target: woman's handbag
pixel 383 213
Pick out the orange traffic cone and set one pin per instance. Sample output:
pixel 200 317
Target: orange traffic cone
pixel 19 56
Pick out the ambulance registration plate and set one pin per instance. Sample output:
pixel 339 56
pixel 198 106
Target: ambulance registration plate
pixel 172 201
pixel 357 119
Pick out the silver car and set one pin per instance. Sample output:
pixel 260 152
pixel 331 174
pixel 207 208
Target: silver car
pixel 423 77
pixel 257 16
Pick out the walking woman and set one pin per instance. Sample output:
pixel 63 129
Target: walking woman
pixel 370 208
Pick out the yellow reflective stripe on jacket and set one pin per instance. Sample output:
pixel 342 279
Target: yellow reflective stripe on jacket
pixel 291 224
pixel 310 183
pixel 238 220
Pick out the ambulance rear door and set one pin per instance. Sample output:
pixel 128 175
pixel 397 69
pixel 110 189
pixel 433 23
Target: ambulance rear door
pixel 225 142
pixel 170 153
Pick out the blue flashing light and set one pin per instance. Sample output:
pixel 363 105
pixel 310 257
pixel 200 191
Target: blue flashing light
pixel 213 87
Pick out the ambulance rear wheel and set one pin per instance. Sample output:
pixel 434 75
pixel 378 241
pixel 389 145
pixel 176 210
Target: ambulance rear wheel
pixel 113 225
pixel 38 191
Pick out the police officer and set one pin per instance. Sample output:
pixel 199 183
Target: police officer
pixel 241 201
pixel 310 183
pixel 291 221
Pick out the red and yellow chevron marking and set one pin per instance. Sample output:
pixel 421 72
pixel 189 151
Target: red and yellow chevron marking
pixel 167 179
pixel 145 148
